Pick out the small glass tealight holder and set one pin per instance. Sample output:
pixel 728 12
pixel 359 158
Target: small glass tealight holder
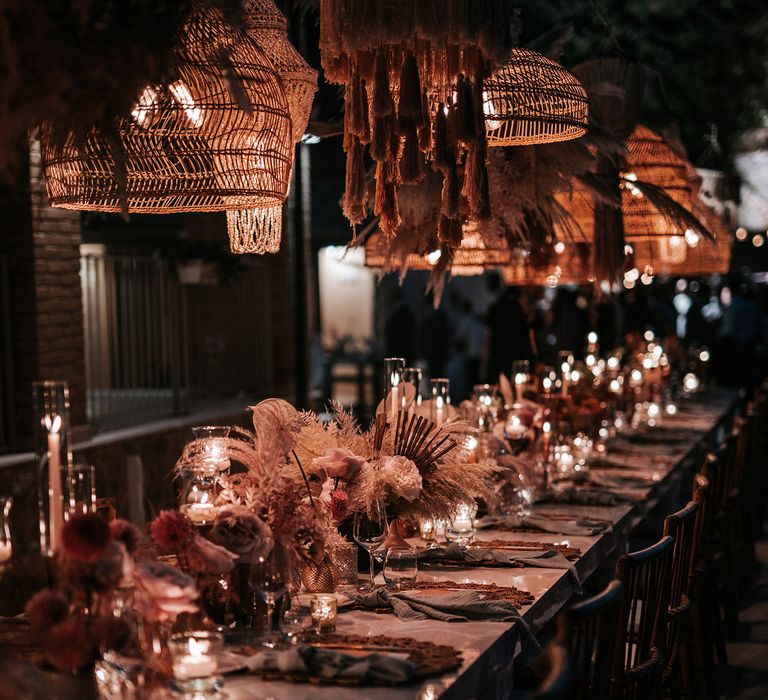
pixel 195 661
pixel 461 528
pixel 323 611
pixel 401 568
pixel 344 556
pixel 427 532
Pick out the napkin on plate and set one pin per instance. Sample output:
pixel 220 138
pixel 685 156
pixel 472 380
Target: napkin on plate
pixel 577 526
pixel 548 559
pixel 586 496
pixel 332 664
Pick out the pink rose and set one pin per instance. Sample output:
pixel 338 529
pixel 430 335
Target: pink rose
pixel 241 531
pixel 163 592
pixel 339 463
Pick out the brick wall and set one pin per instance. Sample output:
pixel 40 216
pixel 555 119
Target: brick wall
pixel 46 301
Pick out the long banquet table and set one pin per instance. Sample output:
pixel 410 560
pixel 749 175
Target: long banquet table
pixel 489 648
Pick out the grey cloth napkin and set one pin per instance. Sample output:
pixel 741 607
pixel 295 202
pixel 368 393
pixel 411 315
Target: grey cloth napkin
pixel 577 526
pixel 454 606
pixel 457 606
pixel 331 664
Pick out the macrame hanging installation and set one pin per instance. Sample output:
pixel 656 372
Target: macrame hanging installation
pixel 216 137
pixel 395 59
pixel 532 99
pixel 260 230
pixel 675 256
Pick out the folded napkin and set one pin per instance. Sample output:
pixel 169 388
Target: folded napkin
pixel 609 481
pixel 457 606
pixel 330 664
pixel 577 526
pixel 453 606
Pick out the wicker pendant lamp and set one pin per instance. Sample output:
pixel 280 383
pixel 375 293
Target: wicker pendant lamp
pixel 566 264
pixel 656 188
pixel 216 137
pixel 260 230
pixel 674 256
pixel 394 58
pixel 532 99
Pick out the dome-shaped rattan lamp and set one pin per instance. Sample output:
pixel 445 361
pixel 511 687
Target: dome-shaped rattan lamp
pixel 568 264
pixel 260 230
pixel 217 137
pixel 475 254
pixel 674 256
pixel 651 160
pixel 533 99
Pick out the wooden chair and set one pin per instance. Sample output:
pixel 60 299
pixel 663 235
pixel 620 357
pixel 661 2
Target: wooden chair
pixel 677 672
pixel 709 591
pixel 639 654
pixel 589 630
pixel 556 684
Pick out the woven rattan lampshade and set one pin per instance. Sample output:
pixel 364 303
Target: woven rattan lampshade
pixel 652 160
pixel 472 257
pixel 217 137
pixel 260 230
pixel 569 264
pixel 533 99
pixel 673 255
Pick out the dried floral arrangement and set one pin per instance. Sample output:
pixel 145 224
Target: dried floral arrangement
pixel 401 64
pixel 420 470
pixel 267 501
pixel 95 557
pixel 76 62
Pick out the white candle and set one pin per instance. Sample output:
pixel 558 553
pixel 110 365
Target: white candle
pixel 394 406
pixel 515 429
pixel 200 513
pixel 55 502
pixel 194 666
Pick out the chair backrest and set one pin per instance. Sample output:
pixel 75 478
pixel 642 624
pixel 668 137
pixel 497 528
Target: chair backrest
pixel 682 527
pixel 589 630
pixel 701 495
pixel 557 681
pixel 639 658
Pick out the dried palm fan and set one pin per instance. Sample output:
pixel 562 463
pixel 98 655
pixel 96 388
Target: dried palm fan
pixel 615 89
pixel 260 230
pixel 412 49
pixel 532 99
pixel 217 137
pixel 674 256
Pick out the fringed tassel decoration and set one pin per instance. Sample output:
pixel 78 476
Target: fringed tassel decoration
pixel 255 230
pixel 385 202
pixel 355 194
pixel 411 159
pixel 383 102
pixel 358 104
pixel 475 188
pixel 409 108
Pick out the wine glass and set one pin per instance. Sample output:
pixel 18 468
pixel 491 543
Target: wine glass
pixel 269 577
pixel 370 530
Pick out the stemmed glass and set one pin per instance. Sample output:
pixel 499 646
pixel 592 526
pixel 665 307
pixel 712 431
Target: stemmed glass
pixel 370 530
pixel 269 578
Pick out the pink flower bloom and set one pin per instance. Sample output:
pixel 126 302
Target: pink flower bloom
pixel 339 463
pixel 241 531
pixel 338 504
pixel 85 537
pixel 46 609
pixel 205 557
pixel 163 592
pixel 171 530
